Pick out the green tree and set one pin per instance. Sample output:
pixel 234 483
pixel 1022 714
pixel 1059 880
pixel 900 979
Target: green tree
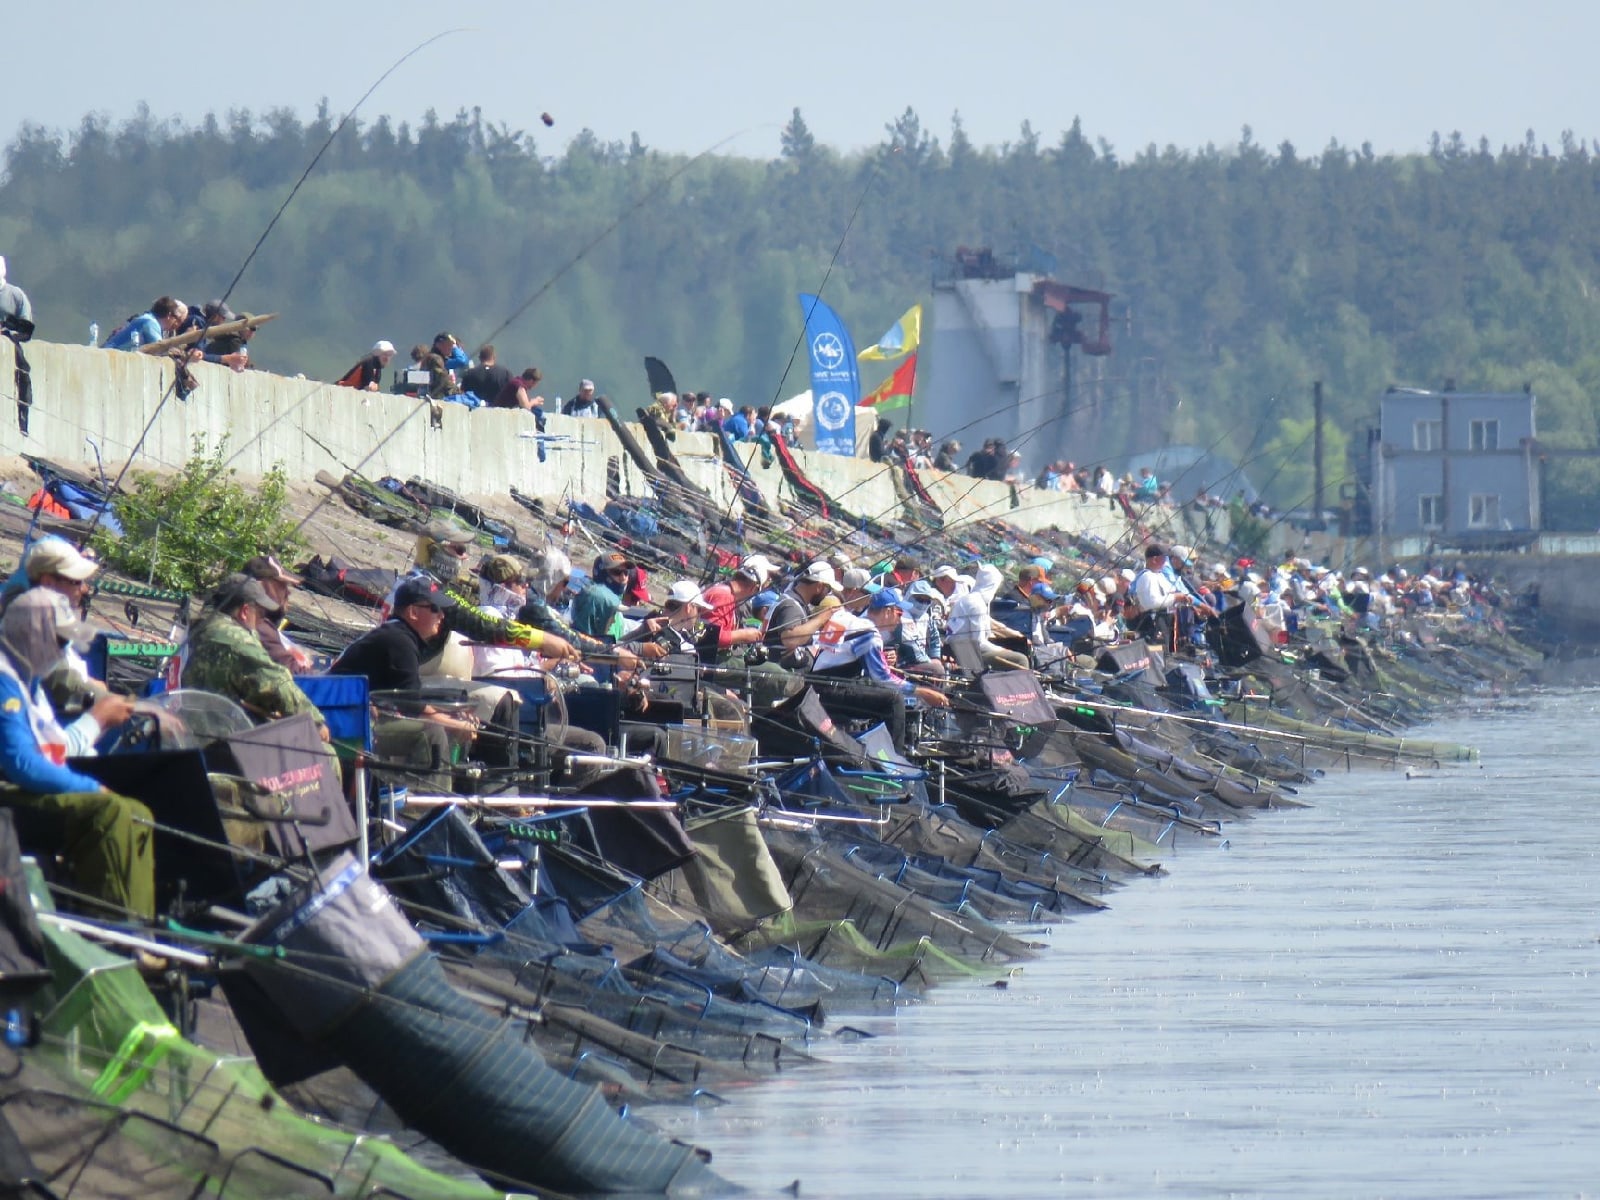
pixel 187 530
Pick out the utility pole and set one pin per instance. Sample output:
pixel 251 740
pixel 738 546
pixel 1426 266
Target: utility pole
pixel 1316 453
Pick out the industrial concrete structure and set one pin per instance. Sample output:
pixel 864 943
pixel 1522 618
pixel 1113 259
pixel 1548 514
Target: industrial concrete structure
pixel 998 348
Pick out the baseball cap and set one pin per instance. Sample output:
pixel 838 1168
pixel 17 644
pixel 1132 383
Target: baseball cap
pixel 725 404
pixel 56 556
pixel 382 346
pixel 820 572
pixel 42 620
pixel 612 561
pixel 888 597
pixel 1183 552
pixel 856 579
pixel 919 589
pixel 762 601
pixel 687 591
pixel 269 570
pixel 501 568
pixel 448 532
pixel 759 567
pixel 422 591
pixel 945 572
pixel 240 589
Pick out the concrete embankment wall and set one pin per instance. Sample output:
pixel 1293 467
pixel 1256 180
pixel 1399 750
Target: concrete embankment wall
pixel 1568 586
pixel 81 393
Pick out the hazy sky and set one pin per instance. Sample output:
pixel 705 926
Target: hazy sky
pixel 688 74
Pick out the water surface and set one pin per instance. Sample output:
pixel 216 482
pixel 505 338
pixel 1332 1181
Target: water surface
pixel 1389 994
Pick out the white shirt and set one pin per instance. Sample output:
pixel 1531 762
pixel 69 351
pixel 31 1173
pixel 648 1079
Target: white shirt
pixel 1154 591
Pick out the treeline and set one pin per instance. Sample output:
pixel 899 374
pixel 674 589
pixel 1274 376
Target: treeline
pixel 1242 273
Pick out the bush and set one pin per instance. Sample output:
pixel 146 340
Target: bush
pixel 185 531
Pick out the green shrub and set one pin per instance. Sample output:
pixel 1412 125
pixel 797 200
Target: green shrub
pixel 185 531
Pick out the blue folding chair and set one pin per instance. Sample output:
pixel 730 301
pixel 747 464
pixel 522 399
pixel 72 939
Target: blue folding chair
pixel 343 702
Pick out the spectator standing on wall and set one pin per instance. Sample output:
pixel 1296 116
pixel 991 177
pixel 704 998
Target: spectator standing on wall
pixel 487 378
pixel 367 374
pixel 13 300
pixel 582 403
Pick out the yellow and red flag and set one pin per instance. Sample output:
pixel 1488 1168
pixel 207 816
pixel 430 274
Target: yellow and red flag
pixel 895 391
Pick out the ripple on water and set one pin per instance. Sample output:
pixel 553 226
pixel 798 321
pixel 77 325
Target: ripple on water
pixel 1390 993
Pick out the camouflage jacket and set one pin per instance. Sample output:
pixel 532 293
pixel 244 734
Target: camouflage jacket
pixel 226 658
pixel 535 617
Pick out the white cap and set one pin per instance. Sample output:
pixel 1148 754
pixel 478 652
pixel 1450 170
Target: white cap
pixel 57 556
pixel 1127 573
pixel 687 591
pixel 586 383
pixel 820 572
pixel 725 404
pixel 945 572
pixel 1108 586
pixel 760 566
pixel 855 578
pixel 382 346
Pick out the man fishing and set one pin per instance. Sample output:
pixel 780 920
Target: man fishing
pixel 106 838
pixel 225 655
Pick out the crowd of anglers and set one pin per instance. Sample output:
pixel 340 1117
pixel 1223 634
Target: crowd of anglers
pixel 625 805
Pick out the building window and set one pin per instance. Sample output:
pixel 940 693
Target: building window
pixel 1483 511
pixel 1427 435
pixel 1430 510
pixel 1483 435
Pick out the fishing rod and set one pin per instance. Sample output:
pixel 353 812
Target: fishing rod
pixel 1115 548
pixel 171 390
pixel 805 325
pixel 1032 431
pixel 584 250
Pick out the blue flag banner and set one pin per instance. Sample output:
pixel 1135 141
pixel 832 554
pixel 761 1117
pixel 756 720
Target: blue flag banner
pixel 835 386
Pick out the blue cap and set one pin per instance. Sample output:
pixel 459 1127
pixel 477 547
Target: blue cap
pixel 919 589
pixel 890 598
pixel 1043 562
pixel 1044 591
pixel 762 601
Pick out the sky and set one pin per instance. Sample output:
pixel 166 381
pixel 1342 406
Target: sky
pixel 696 74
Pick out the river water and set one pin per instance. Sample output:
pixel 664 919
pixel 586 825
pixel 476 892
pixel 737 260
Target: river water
pixel 1388 994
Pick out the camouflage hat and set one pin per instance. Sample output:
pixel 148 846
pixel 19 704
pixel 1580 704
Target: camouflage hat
pixel 501 568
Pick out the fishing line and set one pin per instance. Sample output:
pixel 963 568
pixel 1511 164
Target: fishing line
pixel 707 571
pixel 249 258
pixel 583 252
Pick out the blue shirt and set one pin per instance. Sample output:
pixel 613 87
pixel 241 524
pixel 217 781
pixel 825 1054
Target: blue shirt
pixel 22 762
pixel 737 427
pixel 140 331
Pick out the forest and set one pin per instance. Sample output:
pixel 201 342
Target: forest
pixel 1242 273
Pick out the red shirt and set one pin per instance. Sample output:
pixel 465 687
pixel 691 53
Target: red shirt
pixel 724 616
